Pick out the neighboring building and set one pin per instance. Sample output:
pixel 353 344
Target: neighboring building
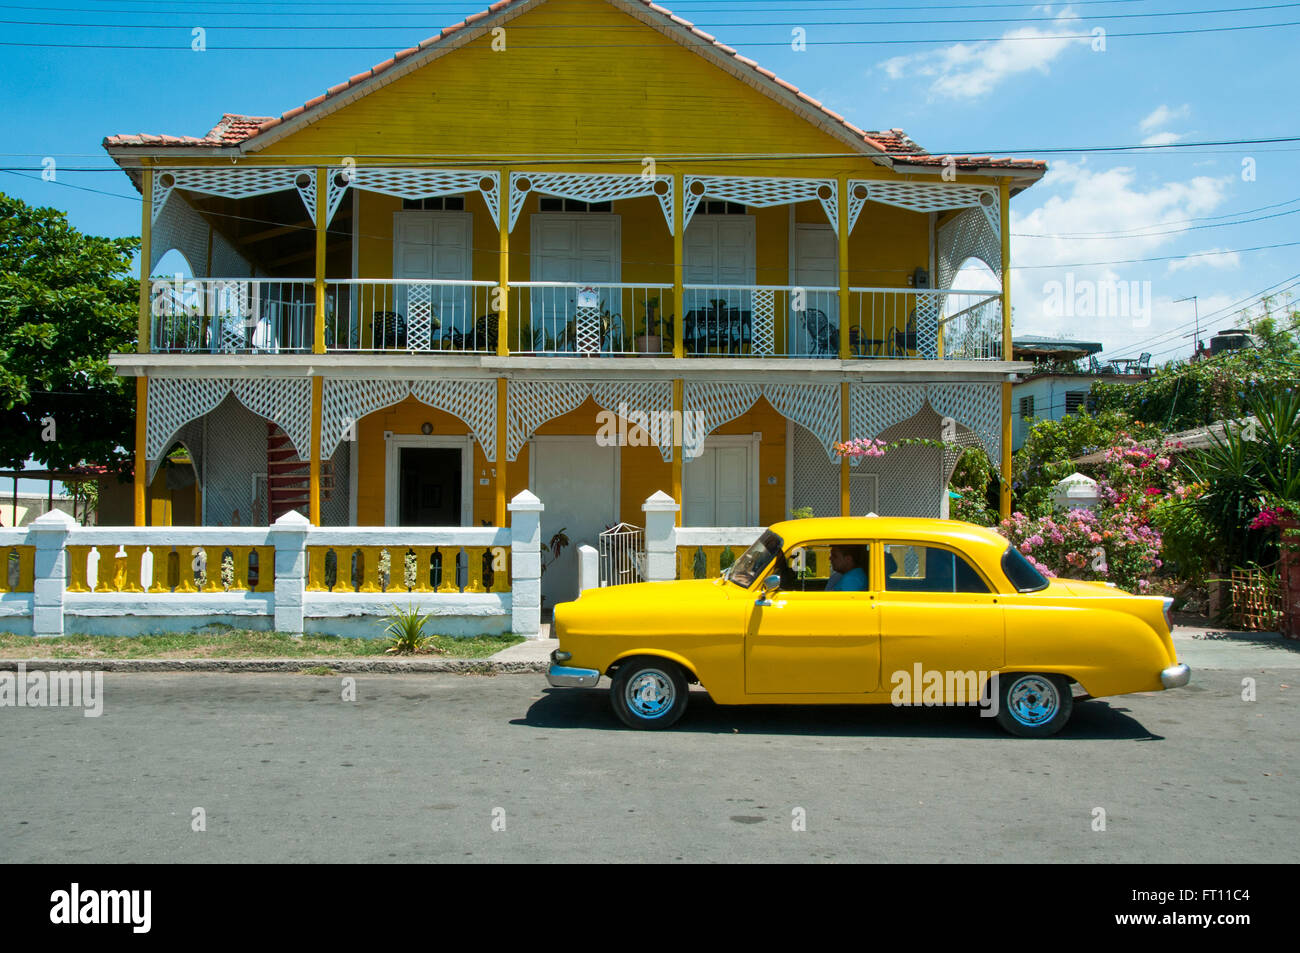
pixel 431 286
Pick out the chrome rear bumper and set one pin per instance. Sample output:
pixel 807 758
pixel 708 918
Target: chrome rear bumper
pixel 562 676
pixel 1176 677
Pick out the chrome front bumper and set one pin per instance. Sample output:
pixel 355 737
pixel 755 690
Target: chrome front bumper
pixel 1176 677
pixel 562 676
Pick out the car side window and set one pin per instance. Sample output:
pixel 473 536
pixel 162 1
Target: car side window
pixel 911 567
pixel 826 567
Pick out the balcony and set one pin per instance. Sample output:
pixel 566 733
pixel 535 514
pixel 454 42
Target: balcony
pixel 571 319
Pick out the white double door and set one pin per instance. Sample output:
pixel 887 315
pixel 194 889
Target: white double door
pixel 579 249
pixel 578 482
pixel 720 486
pixel 433 245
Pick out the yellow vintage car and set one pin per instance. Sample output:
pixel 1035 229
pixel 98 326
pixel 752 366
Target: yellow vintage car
pixel 869 610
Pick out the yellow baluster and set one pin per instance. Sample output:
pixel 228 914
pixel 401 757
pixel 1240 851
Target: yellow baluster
pixel 6 555
pixel 316 557
pixel 501 569
pixel 713 556
pixel 106 569
pixel 77 556
pixel 474 582
pixel 370 569
pixel 213 568
pixel 423 561
pixel 449 568
pixel 266 569
pixel 161 557
pixel 239 577
pixel 129 567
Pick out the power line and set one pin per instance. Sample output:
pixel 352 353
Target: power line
pixel 1138 261
pixel 918 41
pixel 1122 236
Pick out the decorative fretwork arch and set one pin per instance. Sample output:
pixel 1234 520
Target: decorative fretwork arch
pixel 924 197
pixel 347 401
pixel 529 404
pixel 761 192
pixel 175 401
pixel 814 406
pixel 424 183
pixel 968 234
pixel 874 408
pixel 235 183
pixel 590 187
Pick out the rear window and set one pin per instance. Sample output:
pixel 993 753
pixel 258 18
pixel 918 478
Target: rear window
pixel 1021 572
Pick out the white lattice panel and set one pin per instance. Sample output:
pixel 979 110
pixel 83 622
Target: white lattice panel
pixel 761 192
pixel 815 406
pixel 648 404
pixel 430 184
pixel 178 226
pixel 419 316
pixel 816 480
pixel 978 406
pixel 711 404
pixel 587 330
pixel 764 334
pixel 233 183
pixel 874 408
pixel 345 402
pixel 922 197
pixel 928 306
pixel 967 235
pixel 174 401
pixel 908 479
pixel 590 187
pixel 336 184
pixel 529 404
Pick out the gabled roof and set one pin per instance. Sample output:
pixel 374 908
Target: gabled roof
pixel 892 146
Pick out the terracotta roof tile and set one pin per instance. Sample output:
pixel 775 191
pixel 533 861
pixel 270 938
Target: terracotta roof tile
pixel 234 129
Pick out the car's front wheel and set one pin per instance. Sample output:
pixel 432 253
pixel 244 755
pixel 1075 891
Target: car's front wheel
pixel 1034 705
pixel 649 693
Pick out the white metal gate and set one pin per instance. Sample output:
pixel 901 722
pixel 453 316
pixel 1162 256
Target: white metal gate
pixel 622 555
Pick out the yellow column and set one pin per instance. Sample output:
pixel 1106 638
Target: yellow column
pixel 500 510
pixel 1004 496
pixel 679 298
pixel 313 467
pixel 140 487
pixel 141 464
pixel 844 437
pixel 502 303
pixel 842 200
pixel 322 188
pixel 679 394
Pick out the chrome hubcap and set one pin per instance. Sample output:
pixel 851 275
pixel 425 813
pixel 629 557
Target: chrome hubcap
pixel 649 693
pixel 1032 700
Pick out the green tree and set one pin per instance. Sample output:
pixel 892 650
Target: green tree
pixel 67 301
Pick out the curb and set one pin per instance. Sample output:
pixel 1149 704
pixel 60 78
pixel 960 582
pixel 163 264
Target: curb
pixel 376 666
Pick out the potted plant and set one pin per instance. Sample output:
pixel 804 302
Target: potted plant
pixel 649 340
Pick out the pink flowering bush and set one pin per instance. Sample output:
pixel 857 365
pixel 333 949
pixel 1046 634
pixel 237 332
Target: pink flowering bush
pixel 1114 545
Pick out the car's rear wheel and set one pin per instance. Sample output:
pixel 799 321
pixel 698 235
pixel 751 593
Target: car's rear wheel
pixel 649 693
pixel 1034 705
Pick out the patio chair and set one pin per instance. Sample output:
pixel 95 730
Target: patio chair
pixel 389 329
pixel 484 335
pixel 1144 362
pixel 822 334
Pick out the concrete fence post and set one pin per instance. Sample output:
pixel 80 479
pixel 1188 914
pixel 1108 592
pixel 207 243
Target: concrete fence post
pixel 588 568
pixel 660 511
pixel 49 532
pixel 526 564
pixel 289 536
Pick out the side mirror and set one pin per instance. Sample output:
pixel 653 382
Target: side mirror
pixel 770 586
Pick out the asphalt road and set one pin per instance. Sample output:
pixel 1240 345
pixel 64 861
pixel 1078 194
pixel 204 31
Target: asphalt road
pixel 478 769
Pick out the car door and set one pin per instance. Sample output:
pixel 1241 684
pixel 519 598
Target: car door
pixel 809 641
pixel 938 613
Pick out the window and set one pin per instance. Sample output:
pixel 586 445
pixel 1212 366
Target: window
pixel 910 567
pixel 1075 401
pixel 1021 572
pixel 445 203
pixel 1026 408
pixel 720 208
pixel 813 568
pixel 573 205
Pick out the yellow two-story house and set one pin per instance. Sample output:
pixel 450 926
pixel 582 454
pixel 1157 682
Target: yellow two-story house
pixel 574 246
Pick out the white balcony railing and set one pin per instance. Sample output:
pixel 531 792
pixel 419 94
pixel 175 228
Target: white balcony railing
pixel 407 315
pixel 905 323
pixel 231 315
pixel 591 318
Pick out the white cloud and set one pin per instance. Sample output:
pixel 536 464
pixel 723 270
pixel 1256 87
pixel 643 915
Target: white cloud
pixel 970 70
pixel 1162 139
pixel 1209 258
pixel 1162 115
pixel 1114 202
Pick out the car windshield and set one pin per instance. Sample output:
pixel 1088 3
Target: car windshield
pixel 757 558
pixel 1021 572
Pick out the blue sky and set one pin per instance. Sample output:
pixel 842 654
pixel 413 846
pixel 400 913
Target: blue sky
pixel 1014 81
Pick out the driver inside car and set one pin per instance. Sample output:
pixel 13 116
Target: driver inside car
pixel 849 565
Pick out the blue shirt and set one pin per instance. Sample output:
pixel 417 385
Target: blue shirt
pixel 855 580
